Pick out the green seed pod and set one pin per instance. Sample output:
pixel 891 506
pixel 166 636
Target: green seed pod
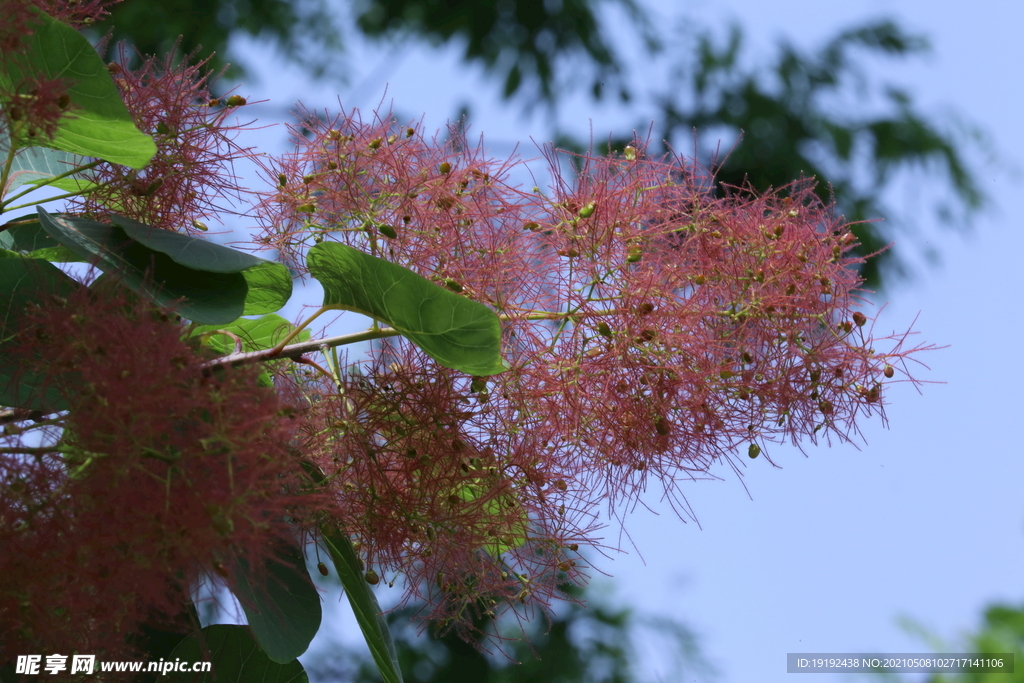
pixel 445 167
pixel 662 426
pixel 478 384
pixel 282 181
pixel 452 285
pixel 235 101
pixel 629 153
pixel 376 143
pixel 603 329
pixel 409 132
pixel 199 225
pixel 372 578
pixel 588 210
pixel 322 568
pixel 634 254
pixel 753 451
pixel 387 231
pixel 306 208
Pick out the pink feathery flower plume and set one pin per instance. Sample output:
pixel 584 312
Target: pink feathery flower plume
pixel 192 174
pixel 655 325
pixel 159 474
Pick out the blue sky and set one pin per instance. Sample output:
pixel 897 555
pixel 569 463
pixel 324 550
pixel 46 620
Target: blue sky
pixel 926 520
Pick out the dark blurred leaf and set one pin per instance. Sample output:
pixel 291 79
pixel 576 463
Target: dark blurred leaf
pixel 25 281
pixel 235 657
pixel 526 37
pixel 281 604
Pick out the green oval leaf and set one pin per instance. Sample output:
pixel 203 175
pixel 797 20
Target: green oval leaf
pixel 234 656
pixel 269 285
pixel 197 295
pixel 25 234
pixel 203 281
pixel 256 334
pixel 39 165
pixel 455 331
pixel 98 123
pixel 281 603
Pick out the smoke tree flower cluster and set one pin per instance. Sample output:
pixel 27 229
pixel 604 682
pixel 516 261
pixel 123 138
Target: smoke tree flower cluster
pixel 538 357
pixel 653 328
pixel 163 472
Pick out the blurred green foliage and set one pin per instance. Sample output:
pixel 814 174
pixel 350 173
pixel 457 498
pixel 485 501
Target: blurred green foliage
pixel 1001 632
pixel 801 113
pixel 593 644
